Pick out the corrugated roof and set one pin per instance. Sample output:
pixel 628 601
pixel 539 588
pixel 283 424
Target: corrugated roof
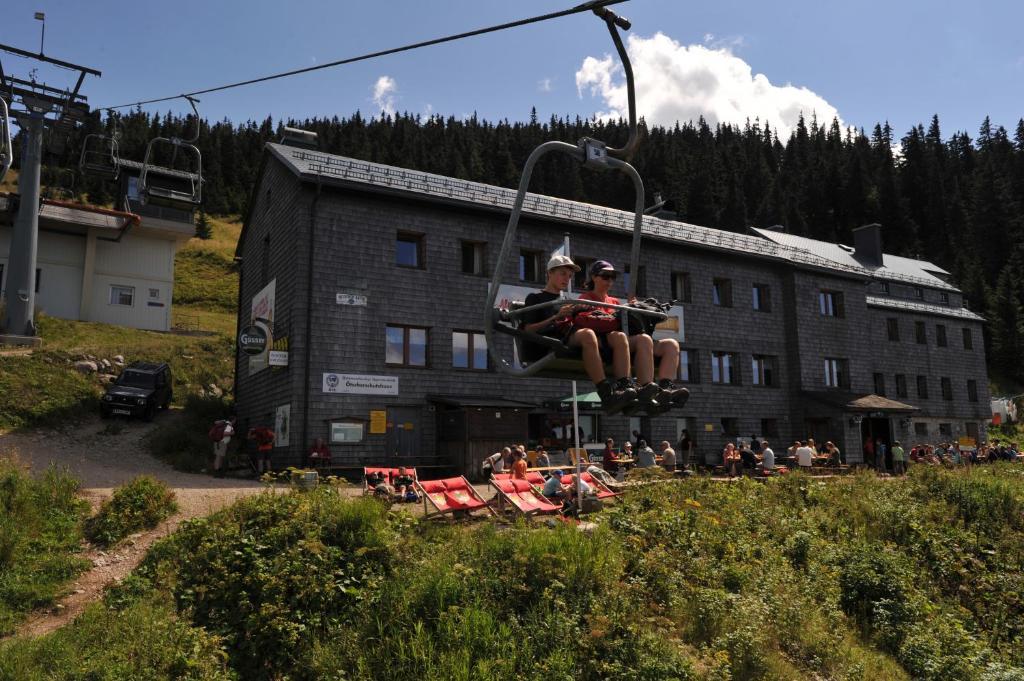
pixel 894 267
pixel 343 170
pixel 923 308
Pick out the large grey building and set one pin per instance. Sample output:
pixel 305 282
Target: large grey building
pixel 372 280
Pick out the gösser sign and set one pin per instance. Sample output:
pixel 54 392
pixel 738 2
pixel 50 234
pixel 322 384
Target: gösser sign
pixel 252 340
pixel 358 384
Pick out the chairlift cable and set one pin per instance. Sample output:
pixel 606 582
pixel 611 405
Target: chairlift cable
pixel 585 7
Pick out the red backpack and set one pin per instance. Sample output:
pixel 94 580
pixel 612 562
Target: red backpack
pixel 216 433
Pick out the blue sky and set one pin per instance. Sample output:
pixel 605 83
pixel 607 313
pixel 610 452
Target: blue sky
pixel 865 62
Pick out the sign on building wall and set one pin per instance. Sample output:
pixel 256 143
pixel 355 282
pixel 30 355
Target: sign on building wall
pixel 360 384
pixel 378 422
pixel 262 313
pixel 278 358
pixel 673 327
pixel 283 425
pixel 350 299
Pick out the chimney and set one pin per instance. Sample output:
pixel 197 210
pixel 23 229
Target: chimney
pixel 867 245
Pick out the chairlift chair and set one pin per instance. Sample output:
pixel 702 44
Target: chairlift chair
pixel 562 361
pixel 168 185
pixel 6 149
pixel 100 154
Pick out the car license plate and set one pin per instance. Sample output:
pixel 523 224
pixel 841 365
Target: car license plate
pixel 126 412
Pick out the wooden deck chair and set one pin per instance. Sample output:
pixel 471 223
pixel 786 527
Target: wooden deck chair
pixel 369 469
pixel 450 495
pixel 531 457
pixel 501 476
pixel 524 497
pixel 600 489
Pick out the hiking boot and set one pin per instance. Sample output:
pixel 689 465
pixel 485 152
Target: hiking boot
pixel 644 399
pixel 615 397
pixel 674 395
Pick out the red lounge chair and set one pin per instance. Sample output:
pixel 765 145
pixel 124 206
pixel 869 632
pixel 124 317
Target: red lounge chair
pixel 600 489
pixel 524 497
pixel 501 476
pixel 535 478
pixel 449 496
pixel 389 476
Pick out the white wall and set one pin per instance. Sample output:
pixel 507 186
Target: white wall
pixel 60 258
pixel 138 261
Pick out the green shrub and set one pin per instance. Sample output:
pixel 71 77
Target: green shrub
pixel 138 505
pixel 40 531
pixel 184 444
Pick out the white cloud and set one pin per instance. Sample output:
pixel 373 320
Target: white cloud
pixel 677 82
pixel 384 94
pixel 544 85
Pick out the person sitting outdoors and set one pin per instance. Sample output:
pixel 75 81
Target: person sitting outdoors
pixel 645 456
pixel 577 488
pixel 608 457
pixel 602 475
pixel 378 484
pixel 519 466
pixel 668 457
pixel 495 463
pixel 731 460
pixel 403 484
pixel 805 457
pixel 767 459
pixel 652 397
pixel 543 460
pixel 747 456
pixel 553 488
pixel 319 453
pixel 556 322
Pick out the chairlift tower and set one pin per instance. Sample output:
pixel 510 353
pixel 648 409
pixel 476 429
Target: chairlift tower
pixel 37 108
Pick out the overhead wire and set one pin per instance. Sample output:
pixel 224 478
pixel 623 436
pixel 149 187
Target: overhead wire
pixel 585 7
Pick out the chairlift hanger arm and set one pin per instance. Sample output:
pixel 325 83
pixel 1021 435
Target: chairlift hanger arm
pixel 613 21
pixel 559 302
pixel 49 60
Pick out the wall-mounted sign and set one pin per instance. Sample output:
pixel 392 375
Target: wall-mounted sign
pixel 278 358
pixel 350 299
pixel 378 422
pixel 252 340
pixel 359 384
pixel 283 425
pixel 262 313
pixel 709 427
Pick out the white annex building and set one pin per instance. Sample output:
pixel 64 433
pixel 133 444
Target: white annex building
pixel 101 265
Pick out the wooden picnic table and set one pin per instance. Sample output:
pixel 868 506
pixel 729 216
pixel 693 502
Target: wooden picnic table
pixel 551 468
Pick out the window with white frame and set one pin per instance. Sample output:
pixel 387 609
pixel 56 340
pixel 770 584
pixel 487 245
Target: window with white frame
pixel 723 368
pixel 836 373
pixel 122 295
pixel 154 294
pixel 763 368
pixel 469 350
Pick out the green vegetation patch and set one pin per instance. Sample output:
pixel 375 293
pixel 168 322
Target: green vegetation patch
pixel 43 389
pixel 183 443
pixel 40 534
pixel 138 505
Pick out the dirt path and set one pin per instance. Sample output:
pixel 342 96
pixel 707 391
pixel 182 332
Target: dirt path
pixel 103 456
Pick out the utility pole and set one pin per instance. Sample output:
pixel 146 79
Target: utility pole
pixel 37 108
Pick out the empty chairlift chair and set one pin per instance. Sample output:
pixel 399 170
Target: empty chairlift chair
pixel 99 156
pixel 178 183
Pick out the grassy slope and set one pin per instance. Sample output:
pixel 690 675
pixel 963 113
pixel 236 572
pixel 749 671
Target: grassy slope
pixel 44 388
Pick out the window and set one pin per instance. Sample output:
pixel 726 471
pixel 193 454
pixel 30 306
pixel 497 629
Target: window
pixel 122 295
pixel 920 334
pixel 836 373
pixel 968 339
pixel 469 350
pixel 830 303
pixel 921 429
pixel 919 293
pixel 347 431
pixel 723 368
pixel 406 346
pixel 764 370
pixel 761 298
pixel 730 426
pixel 922 387
pixel 409 250
pixel 721 292
pixel 769 428
pixel 530 266
pixel 474 257
pixel 884 286
pixel 940 335
pixel 681 287
pixel 688 366
pixel 944 298
pixel 879 384
pixel 947 388
pixel 901 385
pixel 972 390
pixel 154 294
pixel 945 429
pixel 893 326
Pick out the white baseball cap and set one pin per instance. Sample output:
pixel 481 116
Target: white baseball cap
pixel 562 261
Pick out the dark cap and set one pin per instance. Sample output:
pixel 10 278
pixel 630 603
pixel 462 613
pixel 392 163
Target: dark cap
pixel 601 267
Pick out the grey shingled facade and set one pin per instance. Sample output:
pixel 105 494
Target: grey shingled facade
pixel 355 211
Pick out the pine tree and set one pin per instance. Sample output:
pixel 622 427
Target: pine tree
pixel 203 228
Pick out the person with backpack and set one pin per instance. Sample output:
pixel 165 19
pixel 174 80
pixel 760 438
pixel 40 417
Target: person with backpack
pixel 264 438
pixel 220 434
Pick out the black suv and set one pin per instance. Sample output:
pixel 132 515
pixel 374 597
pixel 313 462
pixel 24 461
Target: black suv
pixel 140 390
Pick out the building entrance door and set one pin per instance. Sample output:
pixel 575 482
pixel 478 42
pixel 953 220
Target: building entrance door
pixel 403 434
pixel 879 430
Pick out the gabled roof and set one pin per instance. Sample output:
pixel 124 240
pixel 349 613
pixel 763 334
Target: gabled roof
pixel 314 166
pixel 894 267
